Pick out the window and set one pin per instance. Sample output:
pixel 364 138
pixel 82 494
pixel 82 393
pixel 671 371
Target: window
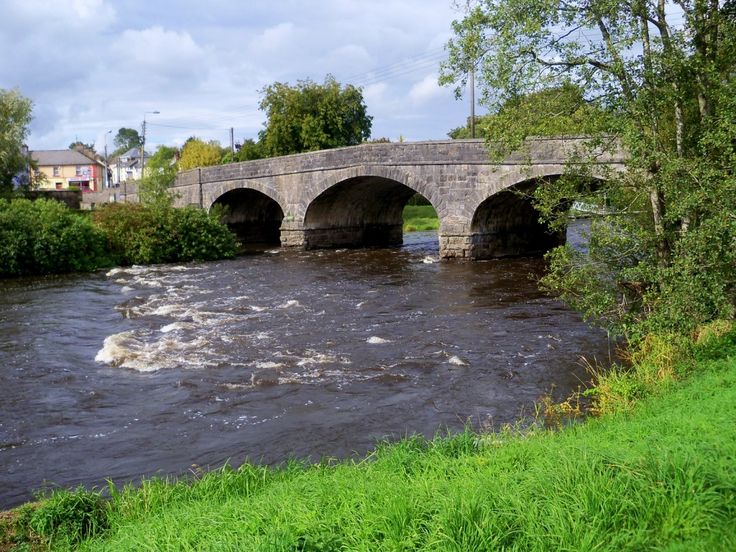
pixel 79 170
pixel 57 171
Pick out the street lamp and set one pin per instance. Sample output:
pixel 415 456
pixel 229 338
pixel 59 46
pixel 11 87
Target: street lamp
pixel 107 178
pixel 143 140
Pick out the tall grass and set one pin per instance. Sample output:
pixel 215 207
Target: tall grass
pixel 659 476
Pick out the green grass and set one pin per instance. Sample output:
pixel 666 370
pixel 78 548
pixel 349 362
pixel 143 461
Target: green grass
pixel 420 218
pixel 660 476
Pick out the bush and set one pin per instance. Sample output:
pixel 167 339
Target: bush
pixel 141 234
pixel 45 237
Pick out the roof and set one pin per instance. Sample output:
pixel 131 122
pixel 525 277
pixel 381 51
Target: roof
pixel 46 158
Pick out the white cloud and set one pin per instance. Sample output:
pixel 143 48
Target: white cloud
pixel 426 89
pixel 158 50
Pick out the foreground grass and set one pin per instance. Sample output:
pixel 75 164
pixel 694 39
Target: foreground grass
pixel 420 218
pixel 659 476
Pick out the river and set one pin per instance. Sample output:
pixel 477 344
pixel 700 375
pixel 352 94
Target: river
pixel 171 368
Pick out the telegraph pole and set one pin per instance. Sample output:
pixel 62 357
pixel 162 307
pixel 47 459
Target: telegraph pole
pixel 143 140
pixel 472 102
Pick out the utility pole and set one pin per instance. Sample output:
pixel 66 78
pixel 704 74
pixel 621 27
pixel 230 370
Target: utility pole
pixel 472 102
pixel 232 142
pixel 107 178
pixel 143 140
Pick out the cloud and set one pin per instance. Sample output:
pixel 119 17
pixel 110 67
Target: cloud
pixel 158 52
pixel 426 89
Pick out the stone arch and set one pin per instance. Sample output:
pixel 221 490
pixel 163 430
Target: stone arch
pixel 506 224
pixel 254 216
pixel 359 207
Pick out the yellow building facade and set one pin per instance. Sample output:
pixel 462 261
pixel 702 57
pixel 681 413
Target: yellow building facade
pixel 65 169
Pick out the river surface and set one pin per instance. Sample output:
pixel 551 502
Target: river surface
pixel 156 370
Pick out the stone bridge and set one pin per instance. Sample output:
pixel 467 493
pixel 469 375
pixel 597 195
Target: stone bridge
pixel 354 196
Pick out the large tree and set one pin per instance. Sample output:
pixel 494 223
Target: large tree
pixel 312 116
pixel 662 73
pixel 15 116
pixel 125 139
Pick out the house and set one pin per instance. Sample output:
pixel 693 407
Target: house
pixel 126 166
pixel 64 169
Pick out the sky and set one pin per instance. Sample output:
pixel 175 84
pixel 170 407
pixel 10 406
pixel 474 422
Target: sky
pixel 93 66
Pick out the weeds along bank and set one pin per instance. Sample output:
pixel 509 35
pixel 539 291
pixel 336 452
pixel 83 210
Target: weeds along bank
pixel 46 237
pixel 655 475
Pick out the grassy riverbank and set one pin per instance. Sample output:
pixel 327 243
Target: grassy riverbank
pixel 659 474
pixel 420 218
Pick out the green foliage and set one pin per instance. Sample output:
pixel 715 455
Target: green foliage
pixel 198 153
pixel 154 188
pixel 311 116
pixel 70 517
pixel 250 150
pixel 46 237
pixel 662 256
pixel 420 218
pixel 557 111
pixel 125 139
pixel 146 234
pixel 15 116
pixel 660 476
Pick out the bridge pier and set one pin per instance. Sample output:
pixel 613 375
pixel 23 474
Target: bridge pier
pixel 292 234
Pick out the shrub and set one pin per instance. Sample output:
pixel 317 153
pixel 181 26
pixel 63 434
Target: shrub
pixel 142 234
pixel 45 237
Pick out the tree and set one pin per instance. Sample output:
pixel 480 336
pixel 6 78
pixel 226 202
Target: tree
pixel 161 169
pixel 557 111
pixel 198 153
pixel 661 77
pixel 15 116
pixel 125 139
pixel 250 150
pixel 311 116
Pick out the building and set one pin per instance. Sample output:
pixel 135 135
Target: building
pixel 126 166
pixel 64 169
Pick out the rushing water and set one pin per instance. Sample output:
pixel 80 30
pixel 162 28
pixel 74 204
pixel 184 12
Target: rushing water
pixel 151 370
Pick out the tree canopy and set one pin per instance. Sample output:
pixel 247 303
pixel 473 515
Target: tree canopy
pixel 659 80
pixel 557 111
pixel 311 116
pixel 198 153
pixel 125 139
pixel 15 116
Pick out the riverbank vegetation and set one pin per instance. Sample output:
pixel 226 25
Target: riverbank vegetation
pixel 651 474
pixel 46 237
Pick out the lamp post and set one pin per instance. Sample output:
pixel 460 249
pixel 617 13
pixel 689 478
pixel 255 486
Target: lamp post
pixel 143 140
pixel 107 165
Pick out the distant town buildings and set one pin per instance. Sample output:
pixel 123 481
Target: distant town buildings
pixel 126 166
pixel 69 168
